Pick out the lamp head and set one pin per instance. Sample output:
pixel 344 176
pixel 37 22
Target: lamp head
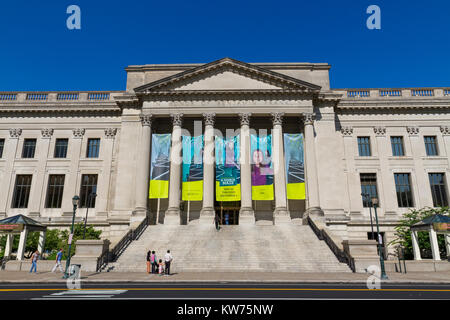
pixel 75 200
pixel 375 201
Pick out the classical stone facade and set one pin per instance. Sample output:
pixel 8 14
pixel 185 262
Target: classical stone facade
pixel 280 97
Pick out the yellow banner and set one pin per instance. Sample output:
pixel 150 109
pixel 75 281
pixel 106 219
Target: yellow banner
pixel 192 191
pixel 159 189
pixel 228 193
pixel 296 191
pixel 264 192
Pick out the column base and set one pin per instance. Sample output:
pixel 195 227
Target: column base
pixel 246 216
pixel 281 216
pixel 314 212
pixel 207 216
pixel 137 216
pixel 172 216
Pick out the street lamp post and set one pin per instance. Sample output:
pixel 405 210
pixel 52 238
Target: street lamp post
pixel 367 197
pixel 90 196
pixel 75 200
pixel 383 272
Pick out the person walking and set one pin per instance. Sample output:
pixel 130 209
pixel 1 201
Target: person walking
pixel 34 259
pixel 154 262
pixel 58 261
pixel 161 267
pixel 168 260
pixel 217 222
pixel 149 264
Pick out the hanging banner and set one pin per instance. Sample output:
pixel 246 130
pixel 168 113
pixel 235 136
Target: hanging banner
pixel 192 188
pixel 160 166
pixel 262 169
pixel 228 170
pixel 295 168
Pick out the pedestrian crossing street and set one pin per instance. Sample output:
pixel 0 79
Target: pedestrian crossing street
pixel 83 294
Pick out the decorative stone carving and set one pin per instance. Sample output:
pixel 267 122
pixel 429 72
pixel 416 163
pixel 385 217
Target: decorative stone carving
pixel 379 131
pixel 308 118
pixel 347 131
pixel 47 133
pixel 445 130
pixel 110 133
pixel 78 133
pixel 245 118
pixel 412 131
pixel 15 133
pixel 146 120
pixel 177 119
pixel 209 118
pixel 277 118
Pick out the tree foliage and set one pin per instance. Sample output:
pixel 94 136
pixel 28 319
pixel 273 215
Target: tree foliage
pixel 403 233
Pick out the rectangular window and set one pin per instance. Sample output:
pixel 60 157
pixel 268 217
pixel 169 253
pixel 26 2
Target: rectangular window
pixel 368 187
pixel 88 187
pixel 22 191
pixel 438 189
pixel 29 147
pixel 403 188
pixel 364 146
pixel 431 145
pixel 93 148
pixel 61 148
pixel 2 146
pixel 397 146
pixel 55 191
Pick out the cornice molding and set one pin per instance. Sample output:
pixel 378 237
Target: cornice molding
pixel 128 101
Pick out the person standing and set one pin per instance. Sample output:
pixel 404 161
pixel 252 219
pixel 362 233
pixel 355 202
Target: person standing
pixel 217 222
pixel 34 259
pixel 149 253
pixel 154 262
pixel 168 260
pixel 58 261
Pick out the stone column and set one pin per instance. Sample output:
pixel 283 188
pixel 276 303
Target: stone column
pixel 9 243
pixel 434 245
pixel 281 213
pixel 172 215
pixel 447 245
pixel 9 154
pixel 71 186
pixel 415 245
pixel 246 213
pixel 311 167
pixel 143 168
pixel 22 243
pixel 41 243
pixel 207 213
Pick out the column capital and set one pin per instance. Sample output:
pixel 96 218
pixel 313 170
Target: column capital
pixel 308 118
pixel 110 133
pixel 245 118
pixel 15 133
pixel 146 120
pixel 445 130
pixel 177 119
pixel 412 131
pixel 78 133
pixel 209 118
pixel 379 131
pixel 347 131
pixel 277 118
pixel 47 133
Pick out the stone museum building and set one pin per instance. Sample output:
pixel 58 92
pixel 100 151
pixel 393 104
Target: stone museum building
pixel 123 153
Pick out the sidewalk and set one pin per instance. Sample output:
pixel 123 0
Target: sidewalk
pixel 262 277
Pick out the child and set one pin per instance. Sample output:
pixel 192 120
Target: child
pixel 161 267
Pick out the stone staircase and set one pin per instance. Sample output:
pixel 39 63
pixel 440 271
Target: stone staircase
pixel 197 247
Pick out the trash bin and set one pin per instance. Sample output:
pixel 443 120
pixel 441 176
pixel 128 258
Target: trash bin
pixel 74 270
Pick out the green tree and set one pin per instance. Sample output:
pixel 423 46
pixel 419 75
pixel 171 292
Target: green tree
pixel 403 234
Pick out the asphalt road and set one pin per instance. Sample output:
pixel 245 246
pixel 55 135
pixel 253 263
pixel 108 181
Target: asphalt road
pixel 218 291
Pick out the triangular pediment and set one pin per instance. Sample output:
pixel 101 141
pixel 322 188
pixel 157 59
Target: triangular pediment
pixel 227 75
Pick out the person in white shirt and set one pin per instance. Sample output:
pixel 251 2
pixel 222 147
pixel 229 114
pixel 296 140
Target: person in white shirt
pixel 168 259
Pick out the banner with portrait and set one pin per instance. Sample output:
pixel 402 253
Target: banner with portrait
pixel 295 166
pixel 192 175
pixel 160 166
pixel 228 170
pixel 262 168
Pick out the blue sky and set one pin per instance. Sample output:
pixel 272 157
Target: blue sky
pixel 38 52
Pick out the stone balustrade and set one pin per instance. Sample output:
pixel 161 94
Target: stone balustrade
pixel 68 96
pixel 394 93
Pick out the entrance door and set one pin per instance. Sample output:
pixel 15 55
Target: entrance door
pixel 228 212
